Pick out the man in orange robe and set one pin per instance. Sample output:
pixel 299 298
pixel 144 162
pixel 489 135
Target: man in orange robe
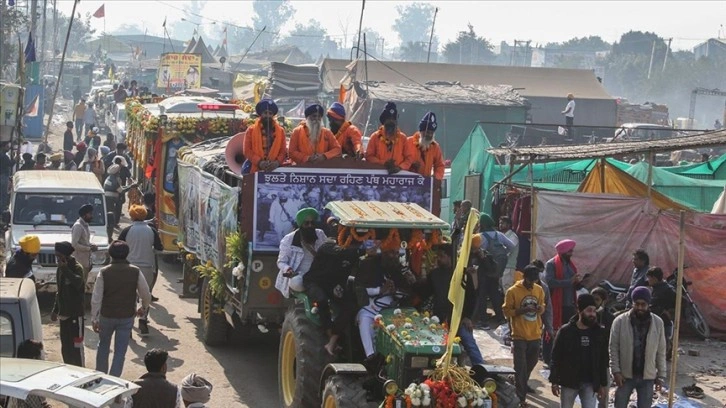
pixel 388 145
pixel 429 157
pixel 264 143
pixel 310 141
pixel 348 136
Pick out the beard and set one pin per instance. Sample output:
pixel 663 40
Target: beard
pixel 426 143
pixel 589 321
pixel 314 128
pixel 335 127
pixel 390 128
pixel 642 314
pixel 308 234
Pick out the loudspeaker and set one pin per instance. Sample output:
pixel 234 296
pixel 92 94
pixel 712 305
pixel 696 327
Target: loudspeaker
pixel 233 153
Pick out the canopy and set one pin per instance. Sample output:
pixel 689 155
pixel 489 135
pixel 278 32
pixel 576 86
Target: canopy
pixel 719 207
pixel 375 214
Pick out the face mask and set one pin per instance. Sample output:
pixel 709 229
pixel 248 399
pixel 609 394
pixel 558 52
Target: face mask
pixel 335 127
pixel 390 127
pixel 308 234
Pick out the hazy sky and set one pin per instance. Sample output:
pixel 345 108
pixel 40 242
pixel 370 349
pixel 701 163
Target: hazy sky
pixel 687 22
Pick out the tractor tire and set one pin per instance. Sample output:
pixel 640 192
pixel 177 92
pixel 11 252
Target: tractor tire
pixel 506 394
pixel 301 360
pixel 215 329
pixel 345 391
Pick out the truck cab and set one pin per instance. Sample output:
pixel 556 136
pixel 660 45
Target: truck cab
pixel 46 203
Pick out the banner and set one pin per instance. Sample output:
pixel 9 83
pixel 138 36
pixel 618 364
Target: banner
pixel 179 71
pixel 208 212
pixel 280 194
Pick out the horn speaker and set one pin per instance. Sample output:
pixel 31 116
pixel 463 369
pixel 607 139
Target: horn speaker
pixel 233 153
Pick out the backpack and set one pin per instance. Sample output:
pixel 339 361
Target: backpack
pixel 498 252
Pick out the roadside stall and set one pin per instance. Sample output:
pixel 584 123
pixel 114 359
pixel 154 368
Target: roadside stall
pixel 157 131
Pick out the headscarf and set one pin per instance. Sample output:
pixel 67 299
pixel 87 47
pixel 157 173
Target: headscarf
pixel 389 112
pixel 30 244
pixel 137 212
pixel 113 169
pixel 104 150
pixel 305 213
pixel 565 246
pixel 65 248
pixel 195 388
pixel 337 111
pixel 428 122
pixel 313 109
pixel 486 222
pixel 266 105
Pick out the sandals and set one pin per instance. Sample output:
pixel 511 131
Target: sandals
pixel 693 391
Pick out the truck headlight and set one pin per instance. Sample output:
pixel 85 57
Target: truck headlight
pixel 490 385
pixel 390 387
pixel 99 257
pixel 419 362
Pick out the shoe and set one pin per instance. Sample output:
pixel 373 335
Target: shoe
pixel 154 298
pixel 531 390
pixel 143 328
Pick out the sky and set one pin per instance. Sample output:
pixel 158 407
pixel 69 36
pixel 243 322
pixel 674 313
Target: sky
pixel 687 22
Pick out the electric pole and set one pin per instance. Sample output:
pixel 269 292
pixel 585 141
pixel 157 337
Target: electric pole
pixel 33 17
pixel 668 50
pixel 42 35
pixel 431 38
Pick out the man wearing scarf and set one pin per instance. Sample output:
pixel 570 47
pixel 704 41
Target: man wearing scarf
pixel 68 306
pixel 429 157
pixel 297 251
pixel 264 142
pixel 310 141
pixel 348 136
pixel 562 277
pixel 388 145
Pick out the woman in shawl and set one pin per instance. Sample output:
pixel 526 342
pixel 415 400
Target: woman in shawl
pixel 93 164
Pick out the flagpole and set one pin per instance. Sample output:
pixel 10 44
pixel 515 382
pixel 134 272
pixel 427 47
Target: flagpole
pixel 60 71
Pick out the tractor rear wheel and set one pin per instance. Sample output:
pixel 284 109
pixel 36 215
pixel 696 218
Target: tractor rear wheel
pixel 215 329
pixel 345 391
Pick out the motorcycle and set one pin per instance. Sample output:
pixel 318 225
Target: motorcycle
pixel 690 311
pixel 616 302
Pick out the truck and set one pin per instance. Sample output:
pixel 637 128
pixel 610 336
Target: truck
pixel 46 203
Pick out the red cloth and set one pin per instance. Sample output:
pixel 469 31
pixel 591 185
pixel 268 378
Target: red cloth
pixel 522 216
pixel 557 292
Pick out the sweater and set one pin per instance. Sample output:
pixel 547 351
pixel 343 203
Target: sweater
pixel 142 240
pixel 622 348
pixel 566 361
pixel 526 326
pixel 19 265
pixel 156 392
pixel 70 296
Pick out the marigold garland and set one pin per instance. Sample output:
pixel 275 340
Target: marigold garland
pixel 392 241
pixel 353 234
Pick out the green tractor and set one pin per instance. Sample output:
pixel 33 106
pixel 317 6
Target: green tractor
pixel 409 342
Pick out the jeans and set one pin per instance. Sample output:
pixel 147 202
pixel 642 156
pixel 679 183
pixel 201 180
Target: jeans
pixel 644 388
pixel 79 128
pixel 586 393
pixel 526 353
pixel 122 327
pixel 547 348
pixel 469 344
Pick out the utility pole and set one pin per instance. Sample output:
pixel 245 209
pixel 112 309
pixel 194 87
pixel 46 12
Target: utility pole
pixel 431 38
pixel 652 56
pixel 60 71
pixel 668 51
pixel 33 17
pixel 360 28
pixel 55 28
pixel 2 32
pixel 42 35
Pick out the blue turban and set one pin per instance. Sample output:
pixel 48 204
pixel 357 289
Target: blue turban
pixel 337 111
pixel 428 122
pixel 266 105
pixel 389 112
pixel 313 109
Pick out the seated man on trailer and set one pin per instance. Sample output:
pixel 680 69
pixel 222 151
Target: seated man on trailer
pixel 311 142
pixel 265 142
pixel 348 135
pixel 429 160
pixel 297 251
pixel 389 146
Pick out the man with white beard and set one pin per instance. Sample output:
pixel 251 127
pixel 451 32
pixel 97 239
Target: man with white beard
pixel 310 141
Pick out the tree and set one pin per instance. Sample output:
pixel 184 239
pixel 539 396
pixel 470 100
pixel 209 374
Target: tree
pixel 271 14
pixel 469 49
pixel 375 43
pixel 414 22
pixel 239 38
pixel 638 42
pixel 81 33
pixel 312 38
pixel 14 20
pixel 414 51
pixel 592 43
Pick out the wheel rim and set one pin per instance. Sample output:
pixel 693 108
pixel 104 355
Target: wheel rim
pixel 329 402
pixel 287 368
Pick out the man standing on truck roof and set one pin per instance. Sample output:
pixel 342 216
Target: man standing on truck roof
pixel 20 265
pixel 265 144
pixel 388 145
pixel 428 156
pixel 569 113
pixel 348 135
pixel 68 306
pixel 297 251
pixel 81 238
pixel 310 142
pixel 142 240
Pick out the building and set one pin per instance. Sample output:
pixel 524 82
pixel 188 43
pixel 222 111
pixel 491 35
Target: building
pixel 714 48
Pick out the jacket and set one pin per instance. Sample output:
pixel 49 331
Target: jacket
pixel 115 291
pixel 349 138
pixel 69 298
pixel 156 392
pixel 526 326
pixel 621 348
pixel 662 300
pixel 401 151
pixel 565 361
pixel 81 241
pixel 291 256
pixel 142 240
pixel 19 265
pixel 332 265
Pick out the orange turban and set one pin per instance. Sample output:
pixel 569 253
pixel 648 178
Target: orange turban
pixel 476 241
pixel 137 212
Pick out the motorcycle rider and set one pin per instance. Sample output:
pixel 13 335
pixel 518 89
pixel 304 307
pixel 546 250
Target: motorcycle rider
pixel 641 262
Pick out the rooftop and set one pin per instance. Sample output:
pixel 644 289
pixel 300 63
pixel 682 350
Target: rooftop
pixel 448 93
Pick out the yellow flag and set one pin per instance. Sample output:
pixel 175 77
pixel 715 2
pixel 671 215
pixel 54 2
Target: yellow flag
pixel 456 289
pixel 110 74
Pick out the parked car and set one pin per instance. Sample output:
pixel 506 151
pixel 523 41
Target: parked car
pixel 116 121
pixel 19 315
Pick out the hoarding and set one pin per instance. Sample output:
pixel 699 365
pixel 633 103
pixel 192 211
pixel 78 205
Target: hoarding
pixel 178 71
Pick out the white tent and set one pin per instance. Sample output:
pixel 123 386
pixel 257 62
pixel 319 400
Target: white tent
pixel 719 207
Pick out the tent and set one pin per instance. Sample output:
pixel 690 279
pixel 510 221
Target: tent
pixel 719 207
pixel 714 169
pixel 608 228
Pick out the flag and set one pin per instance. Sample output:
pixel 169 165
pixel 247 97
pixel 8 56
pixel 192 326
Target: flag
pixel 164 25
pixel 101 12
pixel 110 74
pixel 30 49
pixel 32 109
pixel 456 287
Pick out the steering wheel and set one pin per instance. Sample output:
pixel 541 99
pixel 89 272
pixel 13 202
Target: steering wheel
pixel 28 214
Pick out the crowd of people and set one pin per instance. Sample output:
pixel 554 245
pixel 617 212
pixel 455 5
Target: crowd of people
pixel 544 306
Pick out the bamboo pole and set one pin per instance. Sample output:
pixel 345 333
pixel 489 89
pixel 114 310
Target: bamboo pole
pixel 679 305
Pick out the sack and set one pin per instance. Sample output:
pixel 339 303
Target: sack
pixel 498 251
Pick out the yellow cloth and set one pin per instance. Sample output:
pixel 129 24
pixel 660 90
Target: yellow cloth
pixel 525 326
pixel 30 244
pixel 137 212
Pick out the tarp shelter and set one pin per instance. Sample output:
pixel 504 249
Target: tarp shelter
pixel 545 88
pixel 294 82
pixel 200 48
pixel 719 207
pixel 455 105
pixel 608 228
pixel 714 169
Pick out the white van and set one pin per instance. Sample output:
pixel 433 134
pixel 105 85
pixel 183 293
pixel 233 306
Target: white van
pixel 46 203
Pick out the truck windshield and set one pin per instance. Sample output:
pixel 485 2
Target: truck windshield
pixel 55 209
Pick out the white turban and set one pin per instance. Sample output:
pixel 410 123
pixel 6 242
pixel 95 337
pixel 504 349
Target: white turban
pixel 195 388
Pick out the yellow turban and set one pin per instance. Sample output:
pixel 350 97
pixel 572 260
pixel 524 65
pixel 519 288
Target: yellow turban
pixel 137 212
pixel 30 244
pixel 476 241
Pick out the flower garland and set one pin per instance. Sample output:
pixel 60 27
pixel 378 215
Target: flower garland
pixel 392 241
pixel 353 234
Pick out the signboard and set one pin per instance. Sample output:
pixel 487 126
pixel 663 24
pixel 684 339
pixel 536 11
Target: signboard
pixel 208 213
pixel 179 71
pixel 280 194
